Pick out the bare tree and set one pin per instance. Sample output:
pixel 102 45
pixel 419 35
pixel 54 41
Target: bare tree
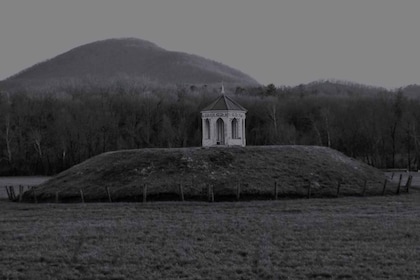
pixel 8 131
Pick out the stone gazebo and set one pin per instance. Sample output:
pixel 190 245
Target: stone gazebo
pixel 223 123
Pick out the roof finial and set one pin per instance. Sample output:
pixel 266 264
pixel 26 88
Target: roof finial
pixel 223 89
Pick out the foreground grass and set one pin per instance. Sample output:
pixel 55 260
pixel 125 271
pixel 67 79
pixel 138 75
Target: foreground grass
pixel 345 238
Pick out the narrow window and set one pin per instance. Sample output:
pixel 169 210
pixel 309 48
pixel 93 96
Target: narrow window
pixel 207 129
pixel 220 132
pixel 235 129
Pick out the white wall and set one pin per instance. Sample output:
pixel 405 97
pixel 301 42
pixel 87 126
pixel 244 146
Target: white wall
pixel 227 117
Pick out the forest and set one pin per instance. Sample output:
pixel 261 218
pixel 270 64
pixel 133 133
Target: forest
pixel 46 133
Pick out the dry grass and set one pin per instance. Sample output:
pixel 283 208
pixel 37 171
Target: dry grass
pixel 344 238
pixel 256 168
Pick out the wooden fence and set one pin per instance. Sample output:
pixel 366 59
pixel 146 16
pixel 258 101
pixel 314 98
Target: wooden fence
pixel 238 192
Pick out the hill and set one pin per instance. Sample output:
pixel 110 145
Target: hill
pixel 127 58
pixel 338 88
pixel 350 89
pixel 411 91
pixel 255 168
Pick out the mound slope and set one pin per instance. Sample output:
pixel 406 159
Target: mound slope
pixel 254 168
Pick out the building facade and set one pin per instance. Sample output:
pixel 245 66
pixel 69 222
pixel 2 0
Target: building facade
pixel 223 123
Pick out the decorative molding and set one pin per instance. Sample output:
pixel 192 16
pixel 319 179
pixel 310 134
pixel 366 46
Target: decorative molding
pixel 220 114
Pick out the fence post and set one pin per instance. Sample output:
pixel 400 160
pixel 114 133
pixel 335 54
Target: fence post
pixel 82 196
pixel 338 188
pixel 309 190
pixel 144 192
pixel 8 194
pixel 210 193
pixel 238 191
pixel 275 191
pixel 108 194
pixel 20 193
pixel 383 189
pixel 408 184
pixel 181 192
pixel 399 184
pixel 411 181
pixel 364 188
pixel 12 193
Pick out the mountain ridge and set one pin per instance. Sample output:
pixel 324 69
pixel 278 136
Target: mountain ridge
pixel 331 87
pixel 132 61
pixel 133 58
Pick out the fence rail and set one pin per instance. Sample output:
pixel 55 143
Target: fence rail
pixel 232 191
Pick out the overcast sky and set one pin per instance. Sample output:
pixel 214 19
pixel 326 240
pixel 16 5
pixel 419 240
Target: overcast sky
pixel 374 42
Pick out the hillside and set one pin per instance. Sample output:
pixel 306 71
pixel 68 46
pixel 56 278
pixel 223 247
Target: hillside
pixel 411 91
pixel 350 89
pixel 255 168
pixel 338 88
pixel 127 58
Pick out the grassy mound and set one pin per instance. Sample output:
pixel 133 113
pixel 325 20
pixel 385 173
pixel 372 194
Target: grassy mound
pixel 255 169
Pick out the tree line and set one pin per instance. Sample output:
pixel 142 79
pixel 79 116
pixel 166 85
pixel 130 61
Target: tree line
pixel 50 132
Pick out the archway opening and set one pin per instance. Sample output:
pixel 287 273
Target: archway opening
pixel 207 129
pixel 235 131
pixel 220 128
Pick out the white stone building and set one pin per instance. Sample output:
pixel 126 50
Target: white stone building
pixel 223 123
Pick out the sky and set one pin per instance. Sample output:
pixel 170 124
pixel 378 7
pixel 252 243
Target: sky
pixel 290 42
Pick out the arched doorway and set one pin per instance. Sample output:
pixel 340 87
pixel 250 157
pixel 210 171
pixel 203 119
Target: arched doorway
pixel 220 125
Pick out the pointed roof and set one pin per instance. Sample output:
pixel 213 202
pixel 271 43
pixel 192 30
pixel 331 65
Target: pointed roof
pixel 224 102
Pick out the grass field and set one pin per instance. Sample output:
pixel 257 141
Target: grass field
pixel 343 238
